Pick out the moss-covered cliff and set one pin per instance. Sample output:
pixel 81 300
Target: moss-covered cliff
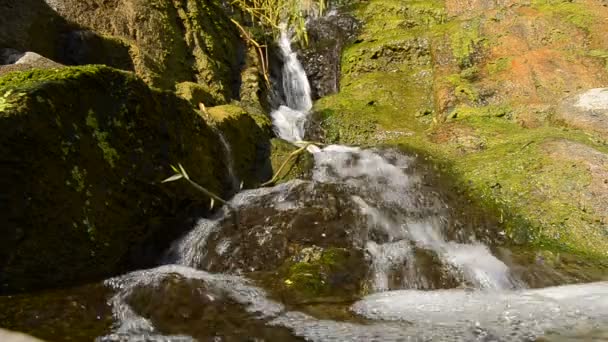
pixel 475 85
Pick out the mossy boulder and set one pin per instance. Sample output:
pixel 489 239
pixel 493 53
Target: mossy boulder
pixel 301 240
pixel 85 150
pixel 170 41
pixel 164 42
pixel 33 25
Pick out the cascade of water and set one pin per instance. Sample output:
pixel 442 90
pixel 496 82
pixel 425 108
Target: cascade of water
pixel 399 225
pixel 289 120
pixel 234 181
pixel 445 315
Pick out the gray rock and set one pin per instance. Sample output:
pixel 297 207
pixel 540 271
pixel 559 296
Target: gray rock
pixel 321 58
pixel 9 336
pixel 587 110
pixel 14 60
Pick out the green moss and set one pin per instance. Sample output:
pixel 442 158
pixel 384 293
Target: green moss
pixel 295 168
pixel 109 153
pixel 463 88
pixel 79 178
pixel 313 278
pixel 196 93
pixel 466 42
pixel 498 111
pixel 603 54
pixel 499 65
pixel 249 138
pixel 572 12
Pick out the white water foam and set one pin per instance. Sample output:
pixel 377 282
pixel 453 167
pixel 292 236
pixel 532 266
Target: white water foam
pixel 445 315
pixel 520 315
pixel 289 120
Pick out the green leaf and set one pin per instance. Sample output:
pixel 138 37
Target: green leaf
pixel 173 178
pixel 183 171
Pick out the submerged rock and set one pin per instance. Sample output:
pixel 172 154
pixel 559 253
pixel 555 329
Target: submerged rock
pixel 200 308
pixel 86 149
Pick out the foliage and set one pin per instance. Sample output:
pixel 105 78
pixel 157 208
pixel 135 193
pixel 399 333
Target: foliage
pixel 181 173
pixel 273 14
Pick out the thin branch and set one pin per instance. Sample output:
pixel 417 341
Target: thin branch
pixel 291 156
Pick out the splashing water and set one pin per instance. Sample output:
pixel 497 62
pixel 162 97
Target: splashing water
pixel 289 120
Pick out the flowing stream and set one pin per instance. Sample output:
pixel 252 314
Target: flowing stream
pixel 428 277
pixel 428 281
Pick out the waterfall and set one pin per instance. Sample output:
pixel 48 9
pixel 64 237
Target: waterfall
pixel 234 181
pixel 399 224
pixel 289 120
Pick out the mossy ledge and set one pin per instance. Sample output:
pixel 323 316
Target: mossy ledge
pixel 85 149
pixel 454 95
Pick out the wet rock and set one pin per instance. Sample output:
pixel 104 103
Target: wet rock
pixel 587 110
pixel 86 149
pixel 304 246
pixel 181 306
pixel 81 313
pixel 327 36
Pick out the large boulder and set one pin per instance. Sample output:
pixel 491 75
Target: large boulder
pixel 171 41
pixel 164 42
pixel 85 149
pixel 33 25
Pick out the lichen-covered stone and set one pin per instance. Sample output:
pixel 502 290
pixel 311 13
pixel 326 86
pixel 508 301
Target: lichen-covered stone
pixel 587 110
pixel 85 149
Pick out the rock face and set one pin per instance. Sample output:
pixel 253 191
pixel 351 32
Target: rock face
pixel 486 86
pixel 327 36
pixel 85 150
pixel 587 111
pixel 32 25
pixel 164 42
